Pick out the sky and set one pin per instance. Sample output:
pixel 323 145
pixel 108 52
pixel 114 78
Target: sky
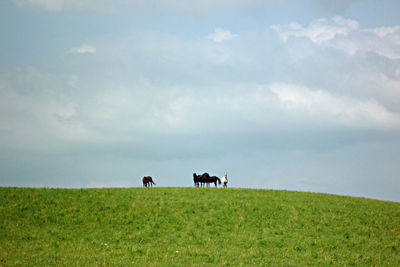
pixel 280 94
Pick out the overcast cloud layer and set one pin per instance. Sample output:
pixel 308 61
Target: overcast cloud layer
pixel 297 95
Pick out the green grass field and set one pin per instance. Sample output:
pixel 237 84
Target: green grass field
pixel 194 226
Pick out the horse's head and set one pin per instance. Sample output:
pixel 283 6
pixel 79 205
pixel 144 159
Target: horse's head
pixel 194 175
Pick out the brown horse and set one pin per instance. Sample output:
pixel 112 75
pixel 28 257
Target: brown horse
pixel 147 181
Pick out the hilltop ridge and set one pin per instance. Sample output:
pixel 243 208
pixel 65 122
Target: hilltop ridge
pixel 196 226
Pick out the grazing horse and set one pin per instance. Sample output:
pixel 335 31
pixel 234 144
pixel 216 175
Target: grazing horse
pixel 147 181
pixel 214 179
pixel 225 180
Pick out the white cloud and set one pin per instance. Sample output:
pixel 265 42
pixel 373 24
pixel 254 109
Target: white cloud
pixel 250 105
pixel 188 7
pixel 383 31
pixel 219 55
pixel 221 35
pixel 59 5
pixel 335 109
pixel 320 31
pixel 33 122
pixel 84 49
pixel 35 114
pixel 345 34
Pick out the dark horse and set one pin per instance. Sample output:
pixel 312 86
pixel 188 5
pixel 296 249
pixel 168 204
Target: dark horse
pixel 147 181
pixel 205 179
pixel 200 180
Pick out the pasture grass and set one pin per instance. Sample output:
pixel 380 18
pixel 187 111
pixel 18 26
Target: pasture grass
pixel 194 226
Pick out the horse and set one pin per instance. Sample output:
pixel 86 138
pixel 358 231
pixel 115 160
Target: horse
pixel 200 179
pixel 196 180
pixel 225 180
pixel 214 179
pixel 148 181
pixel 205 179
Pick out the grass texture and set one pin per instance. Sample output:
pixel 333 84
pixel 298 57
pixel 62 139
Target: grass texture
pixel 194 227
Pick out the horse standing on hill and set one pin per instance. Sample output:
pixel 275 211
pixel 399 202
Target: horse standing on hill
pixel 214 179
pixel 200 180
pixel 148 181
pixel 205 179
pixel 225 180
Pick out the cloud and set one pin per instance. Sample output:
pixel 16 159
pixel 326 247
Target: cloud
pixel 205 7
pixel 84 49
pixel 60 5
pixel 346 35
pixel 383 31
pixel 34 114
pixel 333 108
pixel 138 117
pixel 332 6
pixel 320 31
pixel 221 35
pixel 202 7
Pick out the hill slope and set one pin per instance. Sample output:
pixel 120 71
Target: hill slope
pixel 183 226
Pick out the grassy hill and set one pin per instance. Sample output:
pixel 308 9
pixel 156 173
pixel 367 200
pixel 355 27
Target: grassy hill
pixel 194 226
